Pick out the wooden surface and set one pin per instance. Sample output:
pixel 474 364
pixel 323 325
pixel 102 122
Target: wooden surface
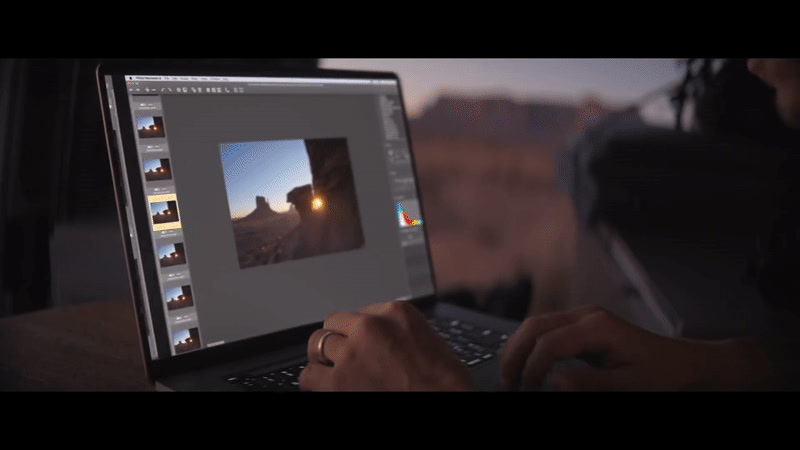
pixel 85 347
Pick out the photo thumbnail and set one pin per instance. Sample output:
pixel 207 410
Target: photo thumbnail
pixel 179 297
pixel 171 255
pixel 150 127
pixel 164 212
pixel 157 169
pixel 186 340
pixel 290 199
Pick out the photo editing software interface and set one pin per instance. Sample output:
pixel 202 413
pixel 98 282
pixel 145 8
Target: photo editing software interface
pixel 271 202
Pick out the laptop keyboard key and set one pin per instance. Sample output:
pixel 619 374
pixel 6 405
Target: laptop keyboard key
pixel 466 326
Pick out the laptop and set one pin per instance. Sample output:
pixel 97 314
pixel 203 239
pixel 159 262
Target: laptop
pixel 253 202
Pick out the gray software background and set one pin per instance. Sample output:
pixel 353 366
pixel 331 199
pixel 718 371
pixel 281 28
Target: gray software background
pixel 234 303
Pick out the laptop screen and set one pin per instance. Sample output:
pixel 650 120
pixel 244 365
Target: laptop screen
pixel 272 202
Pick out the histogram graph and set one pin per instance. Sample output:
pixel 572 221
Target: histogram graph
pixel 408 214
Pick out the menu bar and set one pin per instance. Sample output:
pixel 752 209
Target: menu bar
pixel 174 78
pixel 166 85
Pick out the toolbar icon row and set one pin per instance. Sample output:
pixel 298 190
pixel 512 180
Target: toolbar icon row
pixel 193 90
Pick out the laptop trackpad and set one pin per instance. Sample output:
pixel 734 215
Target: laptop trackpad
pixel 487 376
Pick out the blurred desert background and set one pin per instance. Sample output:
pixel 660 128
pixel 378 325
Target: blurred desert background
pixel 493 213
pixel 485 134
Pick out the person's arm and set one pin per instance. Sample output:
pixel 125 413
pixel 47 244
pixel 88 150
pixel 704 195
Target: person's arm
pixel 625 357
pixel 390 346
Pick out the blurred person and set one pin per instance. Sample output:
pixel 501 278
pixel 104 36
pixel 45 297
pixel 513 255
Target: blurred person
pixel 781 75
pixel 390 346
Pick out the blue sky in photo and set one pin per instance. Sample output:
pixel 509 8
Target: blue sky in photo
pixel 144 122
pixel 165 250
pixel 158 207
pixel 151 164
pixel 263 168
pixel 180 336
pixel 173 292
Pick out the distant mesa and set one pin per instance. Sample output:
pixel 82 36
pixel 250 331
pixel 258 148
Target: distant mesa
pixel 505 119
pixel 262 211
pixel 592 110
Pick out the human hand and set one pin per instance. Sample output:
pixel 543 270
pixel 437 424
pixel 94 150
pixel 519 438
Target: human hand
pixel 622 356
pixel 385 346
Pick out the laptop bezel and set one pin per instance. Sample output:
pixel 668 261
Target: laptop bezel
pixel 157 368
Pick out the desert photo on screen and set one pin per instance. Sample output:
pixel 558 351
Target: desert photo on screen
pixel 290 199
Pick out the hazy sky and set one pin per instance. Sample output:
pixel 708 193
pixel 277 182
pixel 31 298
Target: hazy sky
pixel 144 122
pixel 152 164
pixel 173 293
pixel 267 168
pixel 179 336
pixel 158 207
pixel 165 250
pixel 615 81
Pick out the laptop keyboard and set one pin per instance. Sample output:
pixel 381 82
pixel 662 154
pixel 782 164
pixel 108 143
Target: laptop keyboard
pixel 270 380
pixel 472 344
